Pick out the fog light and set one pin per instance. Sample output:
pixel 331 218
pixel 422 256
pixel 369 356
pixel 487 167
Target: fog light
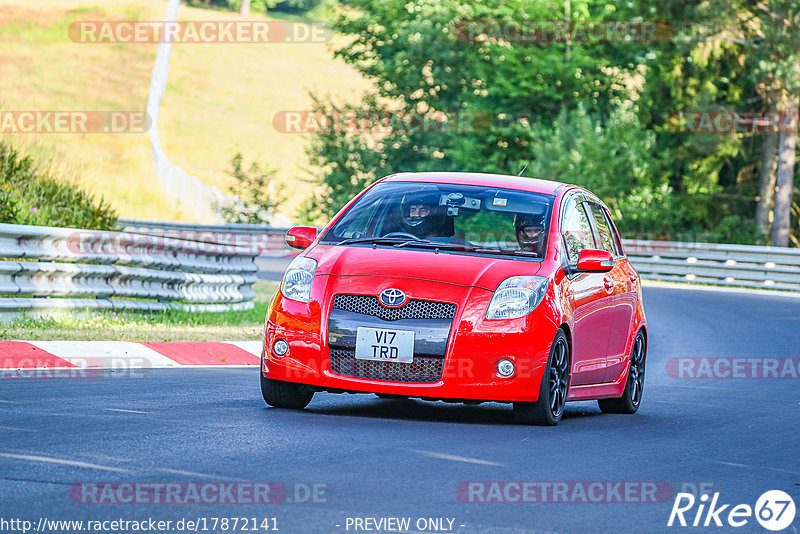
pixel 505 368
pixel 280 347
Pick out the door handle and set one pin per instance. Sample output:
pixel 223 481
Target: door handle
pixel 632 277
pixel 608 283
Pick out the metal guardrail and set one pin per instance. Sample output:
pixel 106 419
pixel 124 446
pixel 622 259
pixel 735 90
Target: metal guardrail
pixel 709 263
pixel 107 270
pixel 746 266
pixel 263 240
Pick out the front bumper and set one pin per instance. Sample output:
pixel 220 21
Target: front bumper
pixel 468 348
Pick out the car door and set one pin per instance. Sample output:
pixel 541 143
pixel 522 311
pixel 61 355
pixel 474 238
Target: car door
pixel 591 302
pixel 625 290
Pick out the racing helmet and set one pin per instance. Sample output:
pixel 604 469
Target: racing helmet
pixel 529 228
pixel 416 223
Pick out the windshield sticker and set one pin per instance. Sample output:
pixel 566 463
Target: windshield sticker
pixel 499 202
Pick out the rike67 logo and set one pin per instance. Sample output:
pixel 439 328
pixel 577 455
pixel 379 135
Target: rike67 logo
pixel 774 510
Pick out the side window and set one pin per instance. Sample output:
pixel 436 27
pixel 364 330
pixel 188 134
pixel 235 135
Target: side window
pixel 614 235
pixel 576 229
pixel 606 241
pixel 356 223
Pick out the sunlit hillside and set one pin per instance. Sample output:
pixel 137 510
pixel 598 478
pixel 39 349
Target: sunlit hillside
pixel 220 99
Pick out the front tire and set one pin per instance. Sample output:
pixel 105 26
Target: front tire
pixel 634 387
pixel 549 407
pixel 285 394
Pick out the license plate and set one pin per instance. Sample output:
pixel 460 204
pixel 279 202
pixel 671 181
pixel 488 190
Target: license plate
pixel 384 345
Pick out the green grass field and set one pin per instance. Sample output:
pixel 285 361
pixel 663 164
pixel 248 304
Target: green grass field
pixel 220 99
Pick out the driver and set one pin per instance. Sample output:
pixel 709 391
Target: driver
pixel 530 231
pixel 421 215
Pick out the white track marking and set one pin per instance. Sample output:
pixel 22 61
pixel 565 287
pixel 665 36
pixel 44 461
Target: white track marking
pixel 106 354
pixel 193 474
pixel 253 347
pixel 453 457
pixel 73 463
pixel 759 467
pixel 112 458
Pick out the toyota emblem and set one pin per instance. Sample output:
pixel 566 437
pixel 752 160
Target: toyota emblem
pixel 392 298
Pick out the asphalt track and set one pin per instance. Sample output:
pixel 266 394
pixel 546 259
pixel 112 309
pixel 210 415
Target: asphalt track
pixel 272 267
pixel 392 458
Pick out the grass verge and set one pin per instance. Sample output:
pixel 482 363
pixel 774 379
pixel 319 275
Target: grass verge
pixel 174 325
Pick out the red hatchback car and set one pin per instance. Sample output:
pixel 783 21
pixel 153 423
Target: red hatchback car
pixel 461 287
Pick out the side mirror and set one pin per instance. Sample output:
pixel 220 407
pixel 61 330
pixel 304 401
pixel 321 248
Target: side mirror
pixel 301 236
pixel 595 261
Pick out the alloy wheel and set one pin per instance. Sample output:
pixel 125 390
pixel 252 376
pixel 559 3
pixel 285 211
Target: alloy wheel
pixel 559 377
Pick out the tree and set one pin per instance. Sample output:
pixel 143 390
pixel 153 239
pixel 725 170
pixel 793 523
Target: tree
pixel 718 58
pixel 766 182
pixel 613 158
pixel 424 61
pixel 256 192
pixel 784 184
pixel 778 53
pixel 766 34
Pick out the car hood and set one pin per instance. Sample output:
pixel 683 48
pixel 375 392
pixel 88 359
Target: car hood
pixel 445 267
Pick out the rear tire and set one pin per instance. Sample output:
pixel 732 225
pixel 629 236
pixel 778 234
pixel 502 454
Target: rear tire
pixel 631 398
pixel 549 407
pixel 285 394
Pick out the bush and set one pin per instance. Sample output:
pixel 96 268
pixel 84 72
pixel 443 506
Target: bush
pixel 256 6
pixel 617 160
pixel 30 195
pixel 257 192
pixel 296 6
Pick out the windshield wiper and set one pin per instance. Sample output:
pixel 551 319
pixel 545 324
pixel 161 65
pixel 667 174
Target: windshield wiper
pixel 379 240
pixel 435 244
pixel 508 252
pixel 403 242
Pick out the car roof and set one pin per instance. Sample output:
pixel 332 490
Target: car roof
pixel 533 185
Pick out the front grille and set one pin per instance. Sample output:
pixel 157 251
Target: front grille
pixel 414 309
pixel 422 369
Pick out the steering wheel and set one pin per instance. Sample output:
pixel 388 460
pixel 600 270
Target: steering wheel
pixel 401 234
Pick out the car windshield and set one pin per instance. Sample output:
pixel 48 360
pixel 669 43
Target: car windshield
pixel 461 218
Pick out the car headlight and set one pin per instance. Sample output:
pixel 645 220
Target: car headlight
pixel 516 297
pixel 296 283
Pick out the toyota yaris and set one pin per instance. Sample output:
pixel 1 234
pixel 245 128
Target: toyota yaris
pixel 461 287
